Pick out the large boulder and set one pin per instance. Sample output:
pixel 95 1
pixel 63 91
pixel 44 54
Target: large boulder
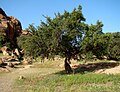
pixel 10 27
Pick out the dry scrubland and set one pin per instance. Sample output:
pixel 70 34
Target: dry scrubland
pixel 66 35
pixel 50 77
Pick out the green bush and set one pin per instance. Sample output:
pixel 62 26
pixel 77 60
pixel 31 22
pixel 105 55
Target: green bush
pixel 89 55
pixel 2 40
pixel 113 49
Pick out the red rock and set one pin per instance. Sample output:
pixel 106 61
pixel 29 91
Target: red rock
pixel 11 27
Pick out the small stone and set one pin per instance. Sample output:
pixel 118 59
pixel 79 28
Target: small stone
pixel 21 77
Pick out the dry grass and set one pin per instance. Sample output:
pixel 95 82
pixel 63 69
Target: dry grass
pixel 49 77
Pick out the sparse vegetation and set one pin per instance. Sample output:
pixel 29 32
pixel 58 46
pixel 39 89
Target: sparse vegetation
pixel 2 40
pixel 60 82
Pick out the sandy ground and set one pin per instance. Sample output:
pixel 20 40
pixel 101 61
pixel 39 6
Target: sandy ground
pixel 7 80
pixel 115 70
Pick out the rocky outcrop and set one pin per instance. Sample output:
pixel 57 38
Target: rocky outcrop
pixel 10 27
pixel 5 50
pixel 24 32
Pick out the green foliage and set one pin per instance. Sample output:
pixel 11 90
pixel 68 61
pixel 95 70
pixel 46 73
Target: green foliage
pixel 35 44
pixel 24 42
pixel 92 41
pixel 2 39
pixel 89 55
pixel 113 49
pixel 8 44
pixel 60 35
pixel 66 31
pixel 68 35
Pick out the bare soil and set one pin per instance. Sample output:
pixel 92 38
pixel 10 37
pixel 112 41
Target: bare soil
pixel 8 79
pixel 115 70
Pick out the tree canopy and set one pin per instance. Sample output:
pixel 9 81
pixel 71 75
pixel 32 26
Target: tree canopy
pixel 68 35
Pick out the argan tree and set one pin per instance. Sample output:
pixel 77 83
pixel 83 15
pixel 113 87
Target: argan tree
pixel 61 35
pixel 66 32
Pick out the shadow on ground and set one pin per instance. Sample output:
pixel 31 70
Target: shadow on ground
pixel 91 67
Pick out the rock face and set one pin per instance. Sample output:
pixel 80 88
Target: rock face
pixel 10 27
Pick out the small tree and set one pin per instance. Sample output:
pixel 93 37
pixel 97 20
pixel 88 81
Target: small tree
pixel 66 34
pixel 58 36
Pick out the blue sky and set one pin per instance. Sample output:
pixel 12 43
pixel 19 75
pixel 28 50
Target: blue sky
pixel 31 11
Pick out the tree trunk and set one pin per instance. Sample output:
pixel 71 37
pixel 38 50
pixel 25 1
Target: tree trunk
pixel 67 66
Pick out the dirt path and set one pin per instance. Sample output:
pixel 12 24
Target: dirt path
pixel 7 80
